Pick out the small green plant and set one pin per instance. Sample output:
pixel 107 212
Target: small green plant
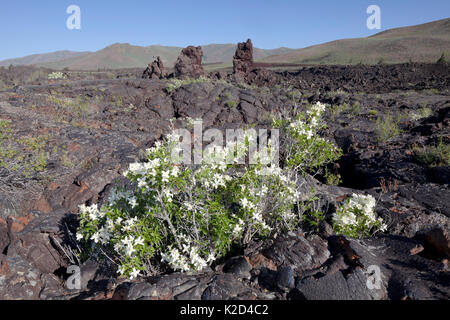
pixel 442 59
pixel 78 107
pixel 333 179
pixel 423 112
pixel 119 101
pixel 350 110
pixel 25 153
pixel 356 218
pixel 174 84
pixel 373 112
pixel 438 155
pixel 386 128
pixel 312 216
pixel 231 104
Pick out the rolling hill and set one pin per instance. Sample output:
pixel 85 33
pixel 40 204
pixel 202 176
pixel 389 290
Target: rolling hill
pixel 124 55
pixel 420 43
pixel 42 58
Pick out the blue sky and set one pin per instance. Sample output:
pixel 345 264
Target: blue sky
pixel 28 27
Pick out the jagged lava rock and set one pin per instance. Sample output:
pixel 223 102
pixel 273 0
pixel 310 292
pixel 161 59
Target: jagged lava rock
pixel 155 70
pixel 189 63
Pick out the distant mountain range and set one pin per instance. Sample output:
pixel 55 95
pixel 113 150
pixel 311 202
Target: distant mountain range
pixel 124 55
pixel 42 58
pixel 421 43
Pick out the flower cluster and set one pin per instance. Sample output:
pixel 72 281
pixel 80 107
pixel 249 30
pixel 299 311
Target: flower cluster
pixel 56 76
pixel 357 218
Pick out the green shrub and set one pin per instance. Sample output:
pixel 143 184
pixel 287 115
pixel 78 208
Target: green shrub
pixel 231 104
pixel 174 84
pixel 438 155
pixel 301 147
pixel 386 128
pixel 26 154
pixel 188 216
pixel 423 112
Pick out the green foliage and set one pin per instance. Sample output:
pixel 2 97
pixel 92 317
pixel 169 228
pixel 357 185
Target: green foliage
pixel 350 110
pixel 78 107
pixel 312 217
pixel 301 146
pixel 438 155
pixel 26 154
pixel 333 179
pixel 231 104
pixel 174 84
pixel 423 112
pixel 386 128
pixel 373 112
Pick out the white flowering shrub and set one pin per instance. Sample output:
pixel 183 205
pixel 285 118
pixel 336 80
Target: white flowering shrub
pixel 188 216
pixel 56 76
pixel 356 217
pixel 304 149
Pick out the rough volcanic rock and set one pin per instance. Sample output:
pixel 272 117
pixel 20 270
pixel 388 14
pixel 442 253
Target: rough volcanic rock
pixel 155 70
pixel 238 266
pixel 298 252
pixel 243 59
pixel 244 69
pixel 4 237
pixel 437 240
pixel 40 243
pixel 189 63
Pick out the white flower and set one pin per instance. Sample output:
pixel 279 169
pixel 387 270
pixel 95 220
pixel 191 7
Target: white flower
pixel 95 237
pixel 79 236
pixel 133 202
pixel 165 176
pixel 121 270
pixel 134 273
pixel 244 203
pixel 139 241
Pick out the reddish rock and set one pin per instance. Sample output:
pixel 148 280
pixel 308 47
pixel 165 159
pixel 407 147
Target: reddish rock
pixel 36 242
pixel 17 224
pixel 189 63
pixel 155 70
pixel 243 59
pixel 4 268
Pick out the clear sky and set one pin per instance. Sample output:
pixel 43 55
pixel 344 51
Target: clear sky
pixel 39 26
